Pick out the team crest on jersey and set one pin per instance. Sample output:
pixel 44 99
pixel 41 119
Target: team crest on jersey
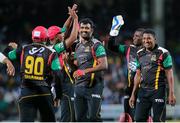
pixel 87 49
pixel 153 58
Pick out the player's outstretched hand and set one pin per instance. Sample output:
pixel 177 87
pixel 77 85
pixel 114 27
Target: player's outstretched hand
pixel 72 13
pixel 117 22
pixel 74 7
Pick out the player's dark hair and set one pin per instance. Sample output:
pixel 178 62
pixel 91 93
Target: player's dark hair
pixel 87 21
pixel 150 31
pixel 140 30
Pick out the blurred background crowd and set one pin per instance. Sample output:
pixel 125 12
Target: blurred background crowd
pixel 19 17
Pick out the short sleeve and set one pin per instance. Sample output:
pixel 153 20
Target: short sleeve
pixel 167 62
pixel 100 51
pixel 60 47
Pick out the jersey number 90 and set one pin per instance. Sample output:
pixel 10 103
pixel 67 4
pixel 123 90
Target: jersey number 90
pixel 34 66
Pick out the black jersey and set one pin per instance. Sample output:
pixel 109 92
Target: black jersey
pixel 152 65
pixel 85 54
pixel 131 53
pixel 38 64
pixel 68 67
pixel 35 62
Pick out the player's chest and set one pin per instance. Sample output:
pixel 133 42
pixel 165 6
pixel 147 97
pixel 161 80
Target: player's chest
pixel 84 51
pixel 150 59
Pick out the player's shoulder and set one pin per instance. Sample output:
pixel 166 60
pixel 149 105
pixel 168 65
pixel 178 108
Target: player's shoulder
pixel 163 50
pixel 38 45
pixel 25 45
pixel 32 45
pixel 141 50
pixel 50 47
pixel 96 41
pixel 133 46
pixel 77 43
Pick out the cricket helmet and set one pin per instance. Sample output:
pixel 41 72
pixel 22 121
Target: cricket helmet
pixel 54 30
pixel 39 33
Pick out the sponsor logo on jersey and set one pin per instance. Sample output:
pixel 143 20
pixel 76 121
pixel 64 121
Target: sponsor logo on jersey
pixel 159 100
pixel 153 58
pixel 96 96
pixel 36 50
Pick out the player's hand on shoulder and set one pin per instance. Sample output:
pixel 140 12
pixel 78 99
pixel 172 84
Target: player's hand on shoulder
pixel 13 45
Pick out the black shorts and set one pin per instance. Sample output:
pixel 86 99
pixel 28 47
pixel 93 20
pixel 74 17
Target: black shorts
pixel 31 101
pixel 151 98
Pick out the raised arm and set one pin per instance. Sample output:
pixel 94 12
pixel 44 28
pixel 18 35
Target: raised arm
pixel 111 45
pixel 117 22
pixel 73 36
pixel 69 21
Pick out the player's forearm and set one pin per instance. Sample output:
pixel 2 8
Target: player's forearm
pixel 2 58
pixel 6 61
pixel 69 20
pixel 58 80
pixel 135 87
pixel 75 62
pixel 102 65
pixel 95 69
pixel 170 79
pixel 67 25
pixel 73 35
pixel 137 80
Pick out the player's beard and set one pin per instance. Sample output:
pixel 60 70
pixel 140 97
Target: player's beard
pixel 85 36
pixel 149 46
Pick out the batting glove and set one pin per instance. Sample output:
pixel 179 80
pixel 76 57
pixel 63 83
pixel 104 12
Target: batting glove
pixel 117 22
